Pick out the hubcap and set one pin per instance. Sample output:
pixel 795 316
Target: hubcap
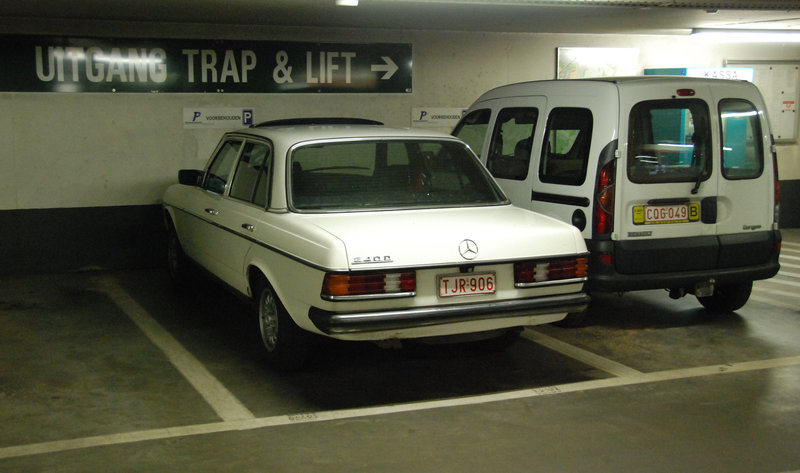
pixel 268 319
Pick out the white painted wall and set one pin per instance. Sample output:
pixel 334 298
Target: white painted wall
pixel 86 150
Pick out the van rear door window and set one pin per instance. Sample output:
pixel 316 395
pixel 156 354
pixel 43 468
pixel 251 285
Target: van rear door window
pixel 670 141
pixel 472 129
pixel 512 140
pixel 742 148
pixel 565 154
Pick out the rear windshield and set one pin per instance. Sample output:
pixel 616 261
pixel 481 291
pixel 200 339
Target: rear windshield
pixel 670 141
pixel 388 174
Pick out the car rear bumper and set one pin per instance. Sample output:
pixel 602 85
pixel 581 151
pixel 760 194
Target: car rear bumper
pixel 515 312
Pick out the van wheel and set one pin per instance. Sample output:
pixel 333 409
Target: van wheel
pixel 285 344
pixel 727 298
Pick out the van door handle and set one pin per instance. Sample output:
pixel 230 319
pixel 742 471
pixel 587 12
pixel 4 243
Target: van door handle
pixel 214 212
pixel 676 201
pixel 248 227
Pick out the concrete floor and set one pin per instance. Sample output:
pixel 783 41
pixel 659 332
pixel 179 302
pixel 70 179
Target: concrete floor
pixel 112 371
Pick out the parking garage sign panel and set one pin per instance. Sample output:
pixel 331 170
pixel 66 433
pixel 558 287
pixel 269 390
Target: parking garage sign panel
pixel 66 64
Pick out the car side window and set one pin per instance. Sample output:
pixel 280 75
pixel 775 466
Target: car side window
pixel 512 140
pixel 742 147
pixel 565 154
pixel 670 141
pixel 219 172
pixel 472 129
pixel 251 179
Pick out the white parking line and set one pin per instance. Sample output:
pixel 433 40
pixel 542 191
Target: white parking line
pixel 587 357
pixel 225 404
pixel 311 417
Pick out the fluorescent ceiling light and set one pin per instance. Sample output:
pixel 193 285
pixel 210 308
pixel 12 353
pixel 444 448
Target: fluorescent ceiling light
pixel 347 3
pixel 748 35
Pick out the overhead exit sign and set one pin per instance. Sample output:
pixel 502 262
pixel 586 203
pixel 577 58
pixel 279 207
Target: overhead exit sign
pixel 67 64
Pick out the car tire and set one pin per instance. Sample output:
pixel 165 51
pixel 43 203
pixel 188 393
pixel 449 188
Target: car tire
pixel 285 344
pixel 177 262
pixel 727 298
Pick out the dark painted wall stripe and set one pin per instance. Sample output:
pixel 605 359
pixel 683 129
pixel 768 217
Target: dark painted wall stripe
pixel 45 240
pixel 49 240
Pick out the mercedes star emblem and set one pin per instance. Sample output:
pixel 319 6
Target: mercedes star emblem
pixel 468 249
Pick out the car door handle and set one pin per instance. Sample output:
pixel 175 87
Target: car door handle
pixel 212 212
pixel 248 227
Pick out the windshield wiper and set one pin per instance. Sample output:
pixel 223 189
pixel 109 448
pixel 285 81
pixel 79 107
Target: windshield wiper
pixel 697 183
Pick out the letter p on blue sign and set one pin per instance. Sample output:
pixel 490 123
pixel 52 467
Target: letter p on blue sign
pixel 247 117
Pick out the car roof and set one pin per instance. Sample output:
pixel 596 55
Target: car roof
pixel 296 133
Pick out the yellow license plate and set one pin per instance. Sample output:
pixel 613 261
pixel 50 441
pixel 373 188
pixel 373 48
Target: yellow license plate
pixel 659 214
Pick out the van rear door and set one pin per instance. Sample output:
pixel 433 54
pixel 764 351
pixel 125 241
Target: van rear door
pixel 697 191
pixel 746 188
pixel 667 179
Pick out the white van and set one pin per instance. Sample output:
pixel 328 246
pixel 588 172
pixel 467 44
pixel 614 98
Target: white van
pixel 671 180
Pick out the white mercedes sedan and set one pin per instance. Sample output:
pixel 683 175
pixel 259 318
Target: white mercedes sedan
pixel 349 229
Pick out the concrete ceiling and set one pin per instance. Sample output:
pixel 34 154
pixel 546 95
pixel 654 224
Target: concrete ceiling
pixel 530 16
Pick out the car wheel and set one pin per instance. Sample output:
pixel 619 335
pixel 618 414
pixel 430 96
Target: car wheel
pixel 177 262
pixel 727 298
pixel 285 344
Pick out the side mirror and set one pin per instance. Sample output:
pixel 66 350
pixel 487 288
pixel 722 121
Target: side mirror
pixel 190 177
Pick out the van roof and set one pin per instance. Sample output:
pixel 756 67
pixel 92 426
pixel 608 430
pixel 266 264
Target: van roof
pixel 593 85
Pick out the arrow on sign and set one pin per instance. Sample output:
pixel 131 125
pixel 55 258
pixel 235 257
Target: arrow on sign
pixel 388 68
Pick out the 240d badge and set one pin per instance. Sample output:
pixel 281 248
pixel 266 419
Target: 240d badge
pixel 372 259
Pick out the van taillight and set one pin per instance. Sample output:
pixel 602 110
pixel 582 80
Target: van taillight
pixel 604 200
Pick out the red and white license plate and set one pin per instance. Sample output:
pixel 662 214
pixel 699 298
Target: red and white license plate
pixel 467 284
pixel 681 213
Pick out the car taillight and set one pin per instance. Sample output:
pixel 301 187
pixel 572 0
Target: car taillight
pixel 604 200
pixel 343 286
pixel 546 272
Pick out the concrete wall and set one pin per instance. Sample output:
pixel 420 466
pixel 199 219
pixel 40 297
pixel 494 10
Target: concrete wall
pixel 63 152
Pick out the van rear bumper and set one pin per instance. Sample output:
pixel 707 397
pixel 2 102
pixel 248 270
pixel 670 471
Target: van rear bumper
pixel 683 262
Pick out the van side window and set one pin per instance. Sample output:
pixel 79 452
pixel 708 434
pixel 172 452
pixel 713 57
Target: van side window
pixel 565 154
pixel 669 141
pixel 512 140
pixel 472 129
pixel 742 147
